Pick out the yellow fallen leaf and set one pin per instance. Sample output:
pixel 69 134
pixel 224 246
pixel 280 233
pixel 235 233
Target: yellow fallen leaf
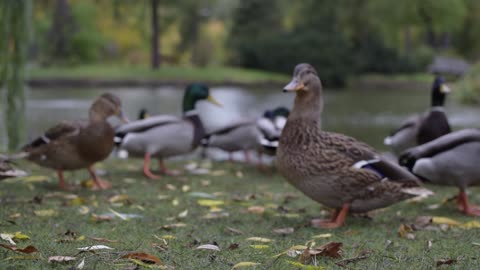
pixel 471 225
pixel 445 220
pixel 35 178
pixel 323 235
pixel 20 236
pixel 259 246
pixel 302 266
pixel 210 203
pixel 45 213
pixel 168 237
pixel 259 239
pixel 245 264
pixel 293 248
pixel 118 198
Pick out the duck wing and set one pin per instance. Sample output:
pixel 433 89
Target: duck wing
pixel 229 128
pixel 364 157
pixel 442 144
pixel 57 132
pixel 433 125
pixel 146 124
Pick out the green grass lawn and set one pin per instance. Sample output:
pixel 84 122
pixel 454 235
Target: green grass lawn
pixel 211 74
pixel 173 223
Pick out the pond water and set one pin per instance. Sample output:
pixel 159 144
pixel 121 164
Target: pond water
pixel 368 115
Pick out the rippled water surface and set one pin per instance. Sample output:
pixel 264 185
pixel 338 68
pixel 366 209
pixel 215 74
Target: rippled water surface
pixel 366 115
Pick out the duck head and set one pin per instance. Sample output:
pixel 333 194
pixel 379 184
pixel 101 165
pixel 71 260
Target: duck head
pixel 196 92
pixel 105 106
pixel 143 114
pixel 439 91
pixel 308 89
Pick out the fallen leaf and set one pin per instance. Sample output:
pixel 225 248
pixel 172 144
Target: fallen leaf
pixel 233 246
pixel 215 215
pixel 45 213
pixel 61 259
pixel 284 230
pixel 302 266
pixel 446 262
pixel 233 230
pixel 118 198
pixel 35 178
pixel 331 249
pixel 471 225
pixel 202 195
pixel 259 246
pixel 186 188
pixel 97 247
pixel 210 203
pixel 323 235
pixel 209 247
pixel 292 251
pixel 105 240
pixel 8 237
pixel 173 226
pixel 259 239
pixel 27 250
pixel 81 264
pixel 256 209
pixel 444 220
pixel 183 214
pixel 405 231
pixel 144 257
pixel 245 264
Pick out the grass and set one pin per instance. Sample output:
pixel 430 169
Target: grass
pixel 211 74
pixel 239 187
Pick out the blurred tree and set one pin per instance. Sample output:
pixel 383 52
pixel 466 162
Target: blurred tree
pixel 155 35
pixel 14 17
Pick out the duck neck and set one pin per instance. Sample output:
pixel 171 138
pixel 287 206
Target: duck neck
pixel 438 98
pixel 198 129
pixel 308 105
pixel 94 116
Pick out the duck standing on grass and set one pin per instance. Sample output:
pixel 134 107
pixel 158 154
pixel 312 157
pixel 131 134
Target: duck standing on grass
pixel 453 159
pixel 333 169
pixel 166 136
pixel 426 127
pixel 73 145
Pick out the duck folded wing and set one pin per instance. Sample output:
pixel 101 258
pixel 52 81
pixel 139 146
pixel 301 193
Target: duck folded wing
pixel 409 123
pixel 146 124
pixel 228 128
pixel 62 130
pixel 362 156
pixel 439 145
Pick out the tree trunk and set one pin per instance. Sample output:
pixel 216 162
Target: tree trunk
pixel 62 30
pixel 155 36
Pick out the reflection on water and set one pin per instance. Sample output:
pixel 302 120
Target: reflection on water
pixel 367 115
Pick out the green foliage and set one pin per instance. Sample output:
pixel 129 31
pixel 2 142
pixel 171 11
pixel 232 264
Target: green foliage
pixel 469 86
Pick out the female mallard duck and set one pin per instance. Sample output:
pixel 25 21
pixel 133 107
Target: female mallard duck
pixel 449 160
pixel 164 135
pixel 426 127
pixel 73 145
pixel 334 169
pixel 7 170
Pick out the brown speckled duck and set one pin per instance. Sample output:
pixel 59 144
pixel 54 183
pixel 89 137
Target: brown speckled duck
pixel 73 145
pixel 333 169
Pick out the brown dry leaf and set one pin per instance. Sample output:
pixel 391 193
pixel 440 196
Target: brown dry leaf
pixel 446 262
pixel 27 250
pixel 144 257
pixel 60 259
pixel 284 230
pixel 233 246
pixel 332 249
pixel 405 231
pixel 256 209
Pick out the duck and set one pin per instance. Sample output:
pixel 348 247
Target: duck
pixel 278 118
pixel 164 136
pixel 334 169
pixel 449 160
pixel 7 170
pixel 426 127
pixel 78 144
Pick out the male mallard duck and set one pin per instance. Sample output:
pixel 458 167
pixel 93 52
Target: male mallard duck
pixel 164 135
pixel 278 118
pixel 449 160
pixel 334 169
pixel 7 170
pixel 426 127
pixel 73 145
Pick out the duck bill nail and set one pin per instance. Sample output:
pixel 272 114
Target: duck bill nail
pixel 294 85
pixel 214 101
pixel 445 89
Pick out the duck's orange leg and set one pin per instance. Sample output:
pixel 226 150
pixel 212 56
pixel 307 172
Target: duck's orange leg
pixel 61 180
pixel 165 170
pixel 465 207
pixel 146 168
pixel 337 219
pixel 99 183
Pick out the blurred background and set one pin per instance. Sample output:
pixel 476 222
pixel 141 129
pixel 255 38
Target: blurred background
pixel 57 55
